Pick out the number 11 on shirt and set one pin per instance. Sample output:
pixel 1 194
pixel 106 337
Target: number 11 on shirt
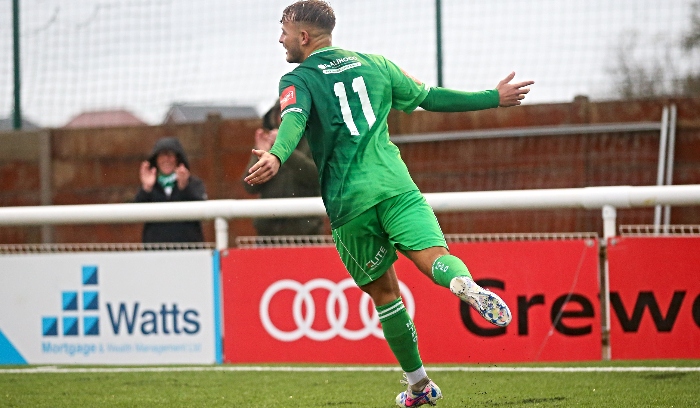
pixel 358 85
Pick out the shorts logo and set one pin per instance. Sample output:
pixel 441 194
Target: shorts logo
pixel 377 259
pixel 288 97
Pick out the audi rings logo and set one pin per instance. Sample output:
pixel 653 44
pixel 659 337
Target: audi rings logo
pixel 337 322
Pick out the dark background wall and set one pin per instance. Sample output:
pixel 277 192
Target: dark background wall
pixel 100 165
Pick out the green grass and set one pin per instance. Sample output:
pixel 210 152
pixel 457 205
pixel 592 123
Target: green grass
pixel 367 389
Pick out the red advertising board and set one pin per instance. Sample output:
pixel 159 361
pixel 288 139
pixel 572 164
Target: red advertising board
pixel 299 305
pixel 654 297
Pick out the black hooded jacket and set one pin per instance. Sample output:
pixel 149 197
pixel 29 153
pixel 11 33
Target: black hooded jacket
pixel 178 231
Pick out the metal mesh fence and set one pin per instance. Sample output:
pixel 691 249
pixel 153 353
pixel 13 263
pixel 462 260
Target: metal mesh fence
pixel 145 55
pixel 663 230
pixel 252 242
pixel 89 247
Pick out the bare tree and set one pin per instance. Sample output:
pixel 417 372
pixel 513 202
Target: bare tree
pixel 691 45
pixel 648 76
pixel 692 38
pixel 633 78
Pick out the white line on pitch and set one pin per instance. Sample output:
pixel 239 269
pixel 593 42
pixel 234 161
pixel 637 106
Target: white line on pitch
pixel 53 369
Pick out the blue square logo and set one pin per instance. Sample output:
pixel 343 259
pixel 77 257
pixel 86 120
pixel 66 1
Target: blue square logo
pixel 70 326
pixel 91 325
pixel 70 300
pixel 91 301
pixel 89 274
pixel 49 326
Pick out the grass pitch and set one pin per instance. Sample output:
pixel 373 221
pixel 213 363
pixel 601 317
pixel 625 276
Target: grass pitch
pixel 643 384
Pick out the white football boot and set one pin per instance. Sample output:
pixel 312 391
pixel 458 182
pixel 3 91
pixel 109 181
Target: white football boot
pixel 489 305
pixel 428 395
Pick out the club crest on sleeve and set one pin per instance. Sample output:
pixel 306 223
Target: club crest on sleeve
pixel 288 97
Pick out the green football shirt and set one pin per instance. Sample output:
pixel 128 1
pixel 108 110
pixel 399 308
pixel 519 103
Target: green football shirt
pixel 345 98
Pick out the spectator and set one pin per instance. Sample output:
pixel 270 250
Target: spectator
pixel 298 177
pixel 166 177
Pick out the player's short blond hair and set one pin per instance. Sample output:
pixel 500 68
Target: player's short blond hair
pixel 317 13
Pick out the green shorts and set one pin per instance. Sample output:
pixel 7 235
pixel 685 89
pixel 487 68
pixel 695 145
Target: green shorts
pixel 367 244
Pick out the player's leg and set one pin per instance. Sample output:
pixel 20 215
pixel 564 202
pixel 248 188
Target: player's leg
pixel 397 325
pixel 414 229
pixel 368 256
pixel 400 334
pixel 450 272
pixel 436 263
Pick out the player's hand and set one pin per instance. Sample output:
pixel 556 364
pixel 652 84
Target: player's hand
pixel 512 94
pixel 147 174
pixel 267 166
pixel 183 176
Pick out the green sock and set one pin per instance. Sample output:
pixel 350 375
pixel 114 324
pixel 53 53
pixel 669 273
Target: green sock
pixel 447 267
pixel 400 333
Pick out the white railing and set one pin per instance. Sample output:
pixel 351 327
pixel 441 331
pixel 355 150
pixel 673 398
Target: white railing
pixel 606 198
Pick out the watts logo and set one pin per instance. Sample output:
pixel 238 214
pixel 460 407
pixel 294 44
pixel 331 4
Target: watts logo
pixel 81 314
pixel 70 320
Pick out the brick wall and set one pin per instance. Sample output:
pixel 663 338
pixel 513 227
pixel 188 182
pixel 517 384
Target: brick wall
pixel 538 162
pixel 101 165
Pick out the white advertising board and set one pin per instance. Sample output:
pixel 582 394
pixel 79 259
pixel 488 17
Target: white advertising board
pixel 151 307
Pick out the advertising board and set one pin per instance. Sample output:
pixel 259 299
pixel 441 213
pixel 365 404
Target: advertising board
pixel 654 297
pixel 300 305
pixel 153 307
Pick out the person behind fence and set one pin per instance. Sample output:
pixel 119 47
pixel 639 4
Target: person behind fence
pixel 340 100
pixel 166 177
pixel 298 177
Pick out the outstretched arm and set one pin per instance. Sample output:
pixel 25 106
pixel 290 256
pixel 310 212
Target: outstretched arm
pixel 449 100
